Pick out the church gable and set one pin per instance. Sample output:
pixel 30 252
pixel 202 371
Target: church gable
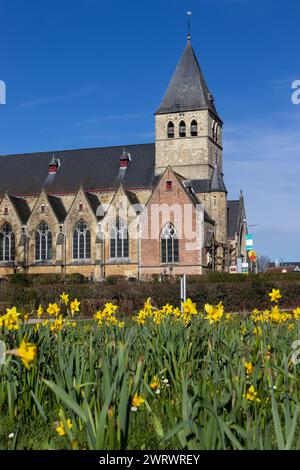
pixel 45 210
pixel 83 207
pixel 169 193
pixel 124 205
pixel 13 211
pixel 172 210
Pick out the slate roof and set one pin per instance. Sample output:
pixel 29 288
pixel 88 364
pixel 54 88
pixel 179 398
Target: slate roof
pixel 217 181
pixel 133 199
pixel 58 208
pixel 193 197
pixel 94 201
pixel 22 208
pixel 233 214
pixel 94 168
pixel 187 90
pixel 201 186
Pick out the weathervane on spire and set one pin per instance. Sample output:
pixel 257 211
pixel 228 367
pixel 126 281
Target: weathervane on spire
pixel 189 14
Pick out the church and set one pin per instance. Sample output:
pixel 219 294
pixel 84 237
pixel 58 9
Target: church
pixel 134 211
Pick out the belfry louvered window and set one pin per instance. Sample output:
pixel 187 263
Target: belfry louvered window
pixel 81 241
pixel 7 243
pixel 170 130
pixel 119 241
pixel 43 243
pixel 182 129
pixel 194 128
pixel 169 244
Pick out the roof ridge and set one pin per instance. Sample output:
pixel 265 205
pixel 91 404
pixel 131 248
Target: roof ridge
pixel 46 152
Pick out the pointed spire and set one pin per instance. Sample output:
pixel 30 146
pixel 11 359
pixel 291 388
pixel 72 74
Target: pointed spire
pixel 187 90
pixel 217 182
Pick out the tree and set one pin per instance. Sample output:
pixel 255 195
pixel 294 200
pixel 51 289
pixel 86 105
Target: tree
pixel 263 262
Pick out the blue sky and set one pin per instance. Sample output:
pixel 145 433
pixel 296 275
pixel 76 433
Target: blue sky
pixel 88 73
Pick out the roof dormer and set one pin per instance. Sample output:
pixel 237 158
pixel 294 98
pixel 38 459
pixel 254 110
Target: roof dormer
pixel 54 165
pixel 125 159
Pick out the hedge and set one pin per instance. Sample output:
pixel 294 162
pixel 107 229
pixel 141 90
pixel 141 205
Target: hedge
pixel 239 293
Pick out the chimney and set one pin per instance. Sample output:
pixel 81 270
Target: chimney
pixel 125 159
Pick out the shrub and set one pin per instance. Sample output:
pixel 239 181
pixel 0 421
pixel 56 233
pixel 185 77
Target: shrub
pixel 238 293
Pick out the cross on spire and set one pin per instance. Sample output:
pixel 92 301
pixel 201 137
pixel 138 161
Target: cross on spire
pixel 189 14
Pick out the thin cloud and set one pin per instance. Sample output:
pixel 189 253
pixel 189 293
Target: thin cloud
pixel 51 99
pixel 262 158
pixel 119 137
pixel 112 118
pixel 282 83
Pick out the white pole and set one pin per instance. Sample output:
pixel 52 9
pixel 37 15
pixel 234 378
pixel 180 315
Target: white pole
pixel 184 287
pixel 181 292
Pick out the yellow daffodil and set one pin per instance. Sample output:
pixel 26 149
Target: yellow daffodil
pixel 74 306
pixel 64 298
pixel 275 295
pixel 189 307
pixel 251 395
pixel 40 311
pixel 214 313
pixel 26 352
pixel 154 384
pixel 61 431
pixel 243 330
pixel 11 319
pixel 248 367
pixel 296 313
pixel 53 309
pixel 257 331
pixel 107 316
pixel 137 401
pixel 57 325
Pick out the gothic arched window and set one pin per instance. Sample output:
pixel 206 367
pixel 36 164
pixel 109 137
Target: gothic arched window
pixel 43 243
pixel 81 241
pixel 213 126
pixel 169 244
pixel 7 243
pixel 194 128
pixel 170 130
pixel 119 241
pixel 182 129
pixel 215 131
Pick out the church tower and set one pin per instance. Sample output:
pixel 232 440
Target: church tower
pixel 187 125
